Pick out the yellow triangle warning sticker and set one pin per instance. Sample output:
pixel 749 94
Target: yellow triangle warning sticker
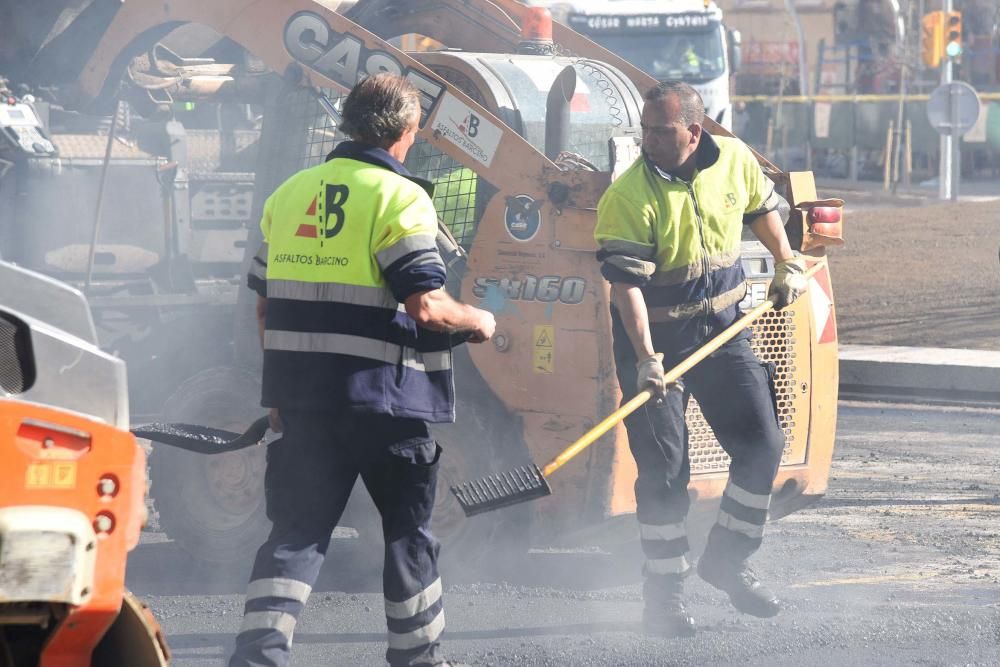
pixel 544 336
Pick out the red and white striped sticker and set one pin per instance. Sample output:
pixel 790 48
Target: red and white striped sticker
pixel 821 298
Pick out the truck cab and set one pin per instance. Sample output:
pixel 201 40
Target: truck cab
pixel 678 40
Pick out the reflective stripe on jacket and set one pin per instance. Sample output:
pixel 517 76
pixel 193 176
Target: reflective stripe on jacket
pixel 346 243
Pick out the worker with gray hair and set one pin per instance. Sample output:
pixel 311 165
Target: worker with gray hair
pixel 357 331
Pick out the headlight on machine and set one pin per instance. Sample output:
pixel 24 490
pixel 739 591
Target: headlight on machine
pixel 47 554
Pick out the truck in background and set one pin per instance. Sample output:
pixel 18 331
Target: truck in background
pixel 677 39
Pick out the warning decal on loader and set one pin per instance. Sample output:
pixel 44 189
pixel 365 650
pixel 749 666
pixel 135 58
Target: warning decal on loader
pixel 50 476
pixel 463 127
pixel 544 349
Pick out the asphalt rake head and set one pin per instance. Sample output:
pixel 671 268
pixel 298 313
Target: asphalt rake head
pixel 495 491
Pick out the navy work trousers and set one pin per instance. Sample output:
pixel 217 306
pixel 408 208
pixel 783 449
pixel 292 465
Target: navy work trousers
pixel 310 474
pixel 736 394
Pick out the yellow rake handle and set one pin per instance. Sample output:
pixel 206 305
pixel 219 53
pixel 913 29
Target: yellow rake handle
pixel 677 371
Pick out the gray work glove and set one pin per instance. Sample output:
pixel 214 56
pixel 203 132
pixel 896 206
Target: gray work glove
pixel 789 282
pixel 651 375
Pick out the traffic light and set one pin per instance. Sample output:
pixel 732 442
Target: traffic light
pixel 932 38
pixel 953 35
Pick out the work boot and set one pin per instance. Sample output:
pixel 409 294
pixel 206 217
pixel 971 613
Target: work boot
pixel 667 620
pixel 738 581
pixel 664 614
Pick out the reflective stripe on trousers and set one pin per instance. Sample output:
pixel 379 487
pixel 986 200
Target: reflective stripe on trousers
pixel 665 547
pixel 734 392
pixel 422 601
pixel 744 512
pixel 421 636
pixel 417 621
pixel 309 477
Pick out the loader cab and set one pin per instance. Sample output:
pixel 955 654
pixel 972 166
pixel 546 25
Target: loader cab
pixel 516 88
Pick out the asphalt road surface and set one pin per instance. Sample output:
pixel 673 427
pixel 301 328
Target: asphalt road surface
pixel 898 565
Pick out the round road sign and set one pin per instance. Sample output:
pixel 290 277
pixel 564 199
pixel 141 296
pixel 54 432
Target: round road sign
pixel 953 105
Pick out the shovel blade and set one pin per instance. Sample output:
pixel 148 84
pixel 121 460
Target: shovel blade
pixel 495 491
pixel 202 439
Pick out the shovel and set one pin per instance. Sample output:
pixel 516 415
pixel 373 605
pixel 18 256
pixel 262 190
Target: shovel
pixel 202 439
pixel 207 440
pixel 530 482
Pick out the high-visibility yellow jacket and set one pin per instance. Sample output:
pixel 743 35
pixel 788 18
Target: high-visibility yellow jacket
pixel 680 240
pixel 345 243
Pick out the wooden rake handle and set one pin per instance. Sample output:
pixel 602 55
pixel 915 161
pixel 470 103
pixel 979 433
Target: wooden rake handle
pixel 672 375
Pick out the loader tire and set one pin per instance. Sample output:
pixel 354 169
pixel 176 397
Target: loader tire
pixel 134 639
pixel 485 438
pixel 213 506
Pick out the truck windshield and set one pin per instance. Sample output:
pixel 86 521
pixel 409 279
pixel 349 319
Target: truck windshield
pixel 692 56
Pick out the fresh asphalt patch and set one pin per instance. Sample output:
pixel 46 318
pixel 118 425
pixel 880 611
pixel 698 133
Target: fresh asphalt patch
pixel 898 565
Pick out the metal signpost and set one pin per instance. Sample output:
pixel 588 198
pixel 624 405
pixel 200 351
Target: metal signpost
pixel 951 104
pixel 952 110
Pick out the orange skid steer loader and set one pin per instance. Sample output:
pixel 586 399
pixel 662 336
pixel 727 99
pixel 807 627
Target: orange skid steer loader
pixel 523 128
pixel 72 488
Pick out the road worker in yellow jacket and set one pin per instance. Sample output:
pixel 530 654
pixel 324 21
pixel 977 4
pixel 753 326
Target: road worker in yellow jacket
pixel 357 333
pixel 669 231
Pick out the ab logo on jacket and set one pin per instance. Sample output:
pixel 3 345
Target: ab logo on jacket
pixel 329 202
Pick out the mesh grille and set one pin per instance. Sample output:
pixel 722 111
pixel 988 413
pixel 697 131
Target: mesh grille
pixel 15 370
pixel 455 187
pixel 296 133
pixel 321 133
pixel 773 338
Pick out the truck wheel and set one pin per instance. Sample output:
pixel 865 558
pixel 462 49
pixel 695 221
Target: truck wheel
pixel 485 439
pixel 212 506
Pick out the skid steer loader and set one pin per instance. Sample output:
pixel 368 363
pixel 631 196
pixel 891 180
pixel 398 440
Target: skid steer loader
pixel 522 130
pixel 72 488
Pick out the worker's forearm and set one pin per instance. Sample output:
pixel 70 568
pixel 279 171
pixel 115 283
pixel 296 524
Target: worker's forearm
pixel 436 310
pixel 631 307
pixel 771 232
